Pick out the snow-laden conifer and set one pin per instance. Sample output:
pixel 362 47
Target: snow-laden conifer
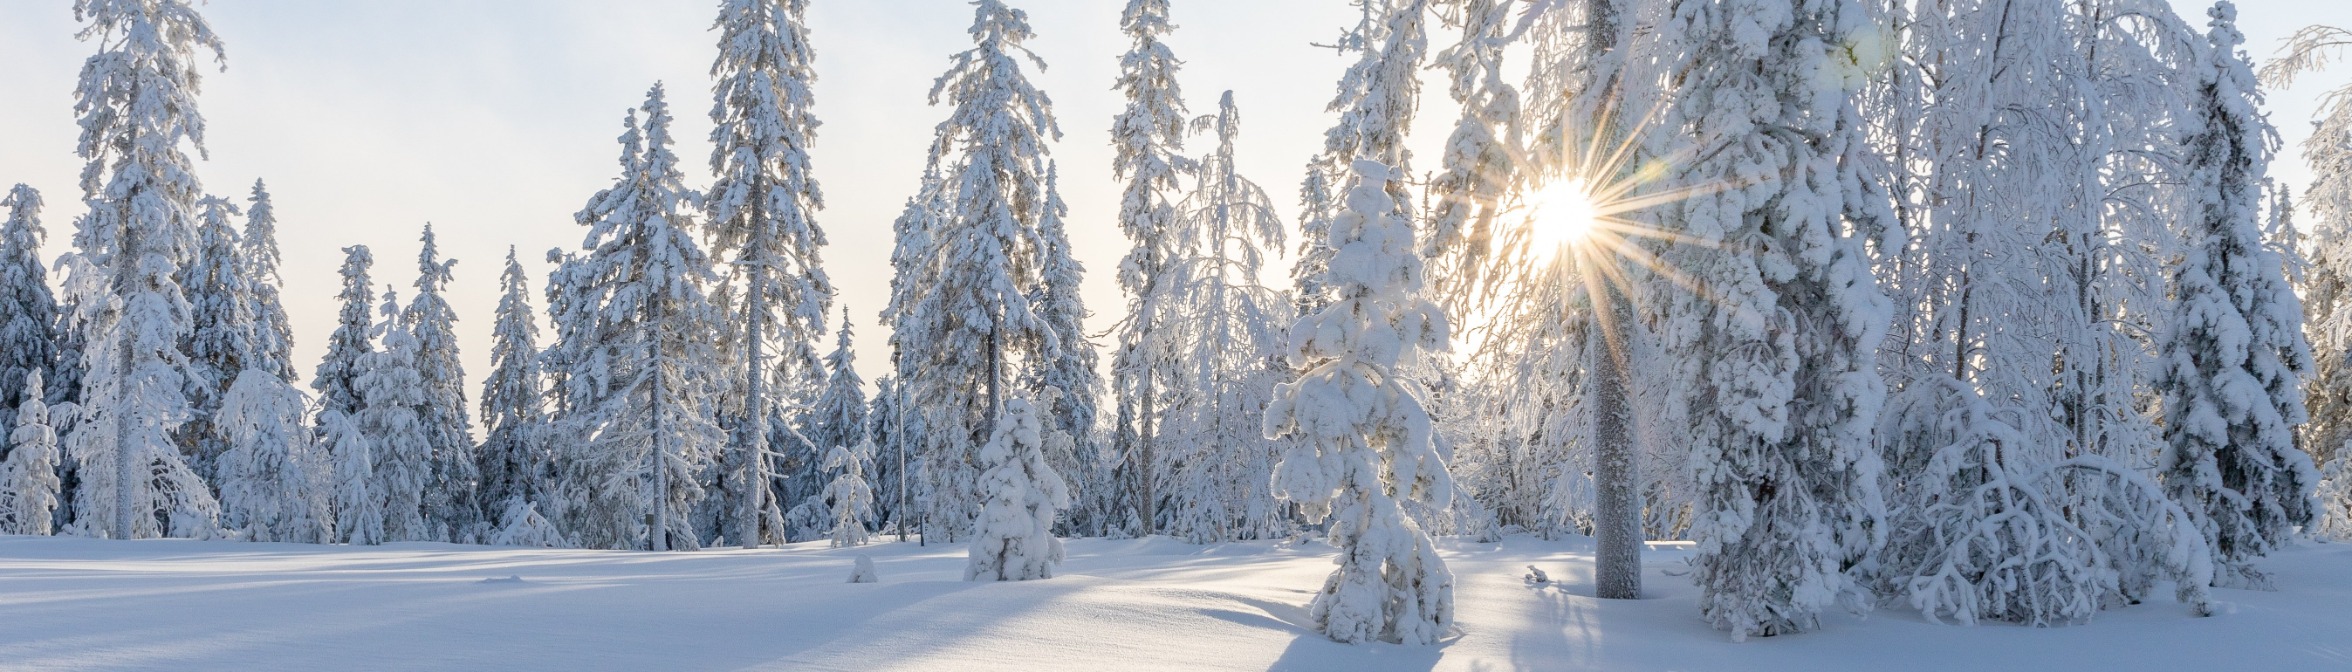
pixel 1067 373
pixel 1362 440
pixel 520 524
pixel 337 376
pixel 643 358
pixel 762 213
pixel 1377 98
pixel 28 311
pixel 838 418
pixel 1231 327
pixel 392 392
pixel 220 341
pixel 969 256
pixel 2235 355
pixel 512 463
pixel 851 496
pixel 272 480
pixel 1013 539
pixel 137 103
pixel 452 509
pixel 359 509
pixel 29 487
pixel 273 338
pixel 1782 320
pixel 1146 135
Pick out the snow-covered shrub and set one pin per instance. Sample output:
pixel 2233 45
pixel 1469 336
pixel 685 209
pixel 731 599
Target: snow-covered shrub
pixel 1013 538
pixel 266 475
pixel 863 571
pixel 523 526
pixel 852 497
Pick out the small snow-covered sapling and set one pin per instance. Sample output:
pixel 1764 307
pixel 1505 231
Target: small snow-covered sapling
pixel 864 572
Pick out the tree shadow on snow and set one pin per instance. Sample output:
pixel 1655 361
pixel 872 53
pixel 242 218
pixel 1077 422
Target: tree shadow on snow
pixel 1311 651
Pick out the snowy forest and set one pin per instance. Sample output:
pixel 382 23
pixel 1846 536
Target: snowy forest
pixel 1979 310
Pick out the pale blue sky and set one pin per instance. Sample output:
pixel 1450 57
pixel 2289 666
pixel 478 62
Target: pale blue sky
pixel 495 120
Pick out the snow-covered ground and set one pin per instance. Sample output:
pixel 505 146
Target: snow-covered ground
pixel 72 603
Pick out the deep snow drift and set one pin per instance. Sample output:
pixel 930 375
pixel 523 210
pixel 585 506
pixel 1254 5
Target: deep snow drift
pixel 73 603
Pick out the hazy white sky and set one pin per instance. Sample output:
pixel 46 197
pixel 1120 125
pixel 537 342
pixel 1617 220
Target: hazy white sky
pixel 496 120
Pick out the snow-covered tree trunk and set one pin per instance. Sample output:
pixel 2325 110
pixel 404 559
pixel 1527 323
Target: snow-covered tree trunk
pixel 1013 539
pixel 1363 441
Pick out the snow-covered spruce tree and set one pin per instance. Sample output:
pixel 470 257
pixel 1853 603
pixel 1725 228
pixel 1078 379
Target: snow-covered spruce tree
pixel 220 338
pixel 359 509
pixel 1780 325
pixel 851 496
pixel 910 267
pixel 2235 357
pixel 270 476
pixel 392 393
pixel 1147 134
pixel 890 461
pixel 762 214
pixel 1376 101
pixel 337 376
pixel 28 311
pixel 273 338
pixel 452 509
pixel 1362 439
pixel 1013 539
pixel 1232 325
pixel 29 488
pixel 838 419
pixel 137 101
pixel 645 358
pixel 961 300
pixel 512 463
pixel 1066 374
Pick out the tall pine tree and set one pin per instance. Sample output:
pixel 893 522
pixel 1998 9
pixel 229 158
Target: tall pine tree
pixel 451 508
pixel 137 100
pixel 643 358
pixel 762 213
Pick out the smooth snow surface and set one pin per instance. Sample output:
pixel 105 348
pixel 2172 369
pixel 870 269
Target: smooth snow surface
pixel 76 603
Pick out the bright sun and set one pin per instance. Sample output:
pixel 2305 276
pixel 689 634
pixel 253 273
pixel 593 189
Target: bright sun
pixel 1562 214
